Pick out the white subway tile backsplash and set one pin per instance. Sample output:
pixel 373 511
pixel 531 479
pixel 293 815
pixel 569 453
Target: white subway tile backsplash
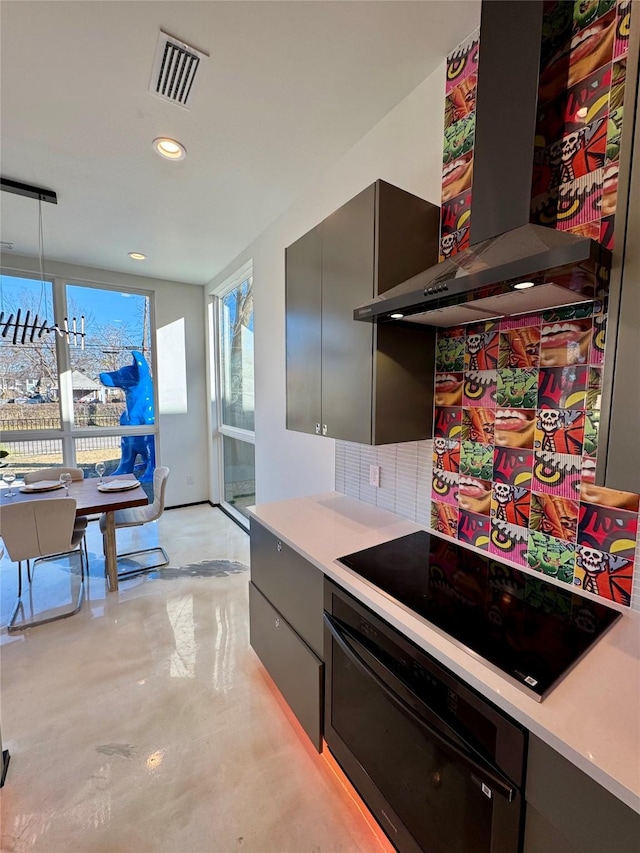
pixel 405 476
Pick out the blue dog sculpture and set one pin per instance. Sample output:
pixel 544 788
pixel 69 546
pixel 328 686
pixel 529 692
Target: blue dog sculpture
pixel 135 380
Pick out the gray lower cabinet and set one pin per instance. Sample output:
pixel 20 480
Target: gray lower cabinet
pixel 285 625
pixel 567 812
pixel 297 672
pixel 350 380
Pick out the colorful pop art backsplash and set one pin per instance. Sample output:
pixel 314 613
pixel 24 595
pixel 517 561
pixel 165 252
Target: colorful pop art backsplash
pixel 517 407
pixel 583 67
pixel 517 402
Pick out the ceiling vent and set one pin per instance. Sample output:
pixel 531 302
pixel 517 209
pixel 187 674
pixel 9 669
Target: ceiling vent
pixel 174 70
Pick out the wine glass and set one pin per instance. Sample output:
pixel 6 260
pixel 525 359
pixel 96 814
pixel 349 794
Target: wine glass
pixel 65 479
pixel 100 466
pixel 9 476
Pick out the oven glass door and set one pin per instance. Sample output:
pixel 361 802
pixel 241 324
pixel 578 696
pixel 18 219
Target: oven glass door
pixel 444 799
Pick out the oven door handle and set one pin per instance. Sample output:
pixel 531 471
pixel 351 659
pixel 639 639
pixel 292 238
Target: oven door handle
pixel 491 779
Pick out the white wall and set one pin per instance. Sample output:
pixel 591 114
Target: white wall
pixel 405 149
pixel 180 353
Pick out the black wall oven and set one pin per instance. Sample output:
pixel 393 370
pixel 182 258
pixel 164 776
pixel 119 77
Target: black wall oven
pixel 440 768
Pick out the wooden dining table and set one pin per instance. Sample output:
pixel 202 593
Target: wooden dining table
pixel 89 501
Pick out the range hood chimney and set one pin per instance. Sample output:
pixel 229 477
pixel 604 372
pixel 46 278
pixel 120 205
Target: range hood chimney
pixel 505 248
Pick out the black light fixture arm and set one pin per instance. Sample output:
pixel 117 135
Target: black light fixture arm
pixel 39 193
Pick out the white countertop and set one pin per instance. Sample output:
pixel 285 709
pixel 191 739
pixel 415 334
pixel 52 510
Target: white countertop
pixel 592 717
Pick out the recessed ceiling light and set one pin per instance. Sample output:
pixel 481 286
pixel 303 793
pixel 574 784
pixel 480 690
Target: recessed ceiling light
pixel 137 256
pixel 397 316
pixel 170 149
pixel 524 285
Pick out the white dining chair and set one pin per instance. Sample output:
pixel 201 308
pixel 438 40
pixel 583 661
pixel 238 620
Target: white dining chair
pixel 35 530
pixel 138 515
pixel 77 474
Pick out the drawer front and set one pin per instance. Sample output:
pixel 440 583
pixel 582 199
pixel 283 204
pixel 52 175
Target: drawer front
pixel 292 585
pixel 297 672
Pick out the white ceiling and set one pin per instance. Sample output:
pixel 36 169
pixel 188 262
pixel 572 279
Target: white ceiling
pixel 288 88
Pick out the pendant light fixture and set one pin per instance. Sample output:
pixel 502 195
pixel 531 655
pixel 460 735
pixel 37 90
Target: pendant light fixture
pixel 24 326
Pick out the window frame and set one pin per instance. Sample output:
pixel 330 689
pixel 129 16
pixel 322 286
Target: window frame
pixel 221 429
pixel 68 433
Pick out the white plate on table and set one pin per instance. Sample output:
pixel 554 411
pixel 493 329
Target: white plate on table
pixel 118 485
pixel 41 486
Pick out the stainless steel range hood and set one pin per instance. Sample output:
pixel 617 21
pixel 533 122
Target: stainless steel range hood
pixel 506 249
pixel 480 282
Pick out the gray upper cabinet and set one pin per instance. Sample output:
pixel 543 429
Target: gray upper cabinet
pixel 351 380
pixel 304 340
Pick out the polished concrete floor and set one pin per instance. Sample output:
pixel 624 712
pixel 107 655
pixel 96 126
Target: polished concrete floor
pixel 146 722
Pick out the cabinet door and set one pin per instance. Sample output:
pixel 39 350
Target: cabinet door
pixel 292 585
pixel 297 672
pixel 348 246
pixel 303 272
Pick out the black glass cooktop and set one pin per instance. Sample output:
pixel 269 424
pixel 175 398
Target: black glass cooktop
pixel 531 630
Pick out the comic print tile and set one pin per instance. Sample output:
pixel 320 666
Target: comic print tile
pixel 444 518
pixel 583 311
pixel 607 229
pixel 454 214
pixel 557 474
pixel 517 388
pixel 583 103
pixel 586 13
pixel 474 529
pixel 474 495
pixel 478 425
pixel 591 428
pixel 562 387
pixel 480 387
pixel 590 493
pixel 511 504
pixel 609 198
pixel 447 422
pixel 554 516
pixel 461 100
pixel 604 574
pixel 449 354
pixel 580 200
pixel 560 431
pixel 598 340
pixel 456 241
pixel 594 388
pixel 609 529
pixel 551 556
pixel 481 351
pixel 588 50
pixel 514 427
pixel 623 26
pixel 509 541
pixel 512 466
pixel 444 487
pixel 574 155
pixel 446 454
pixel 457 157
pixel 448 389
pixel 565 342
pixel 520 348
pixel 522 322
pixel 476 460
pixel 463 61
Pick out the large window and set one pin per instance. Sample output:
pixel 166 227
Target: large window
pixel 236 415
pixel 75 395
